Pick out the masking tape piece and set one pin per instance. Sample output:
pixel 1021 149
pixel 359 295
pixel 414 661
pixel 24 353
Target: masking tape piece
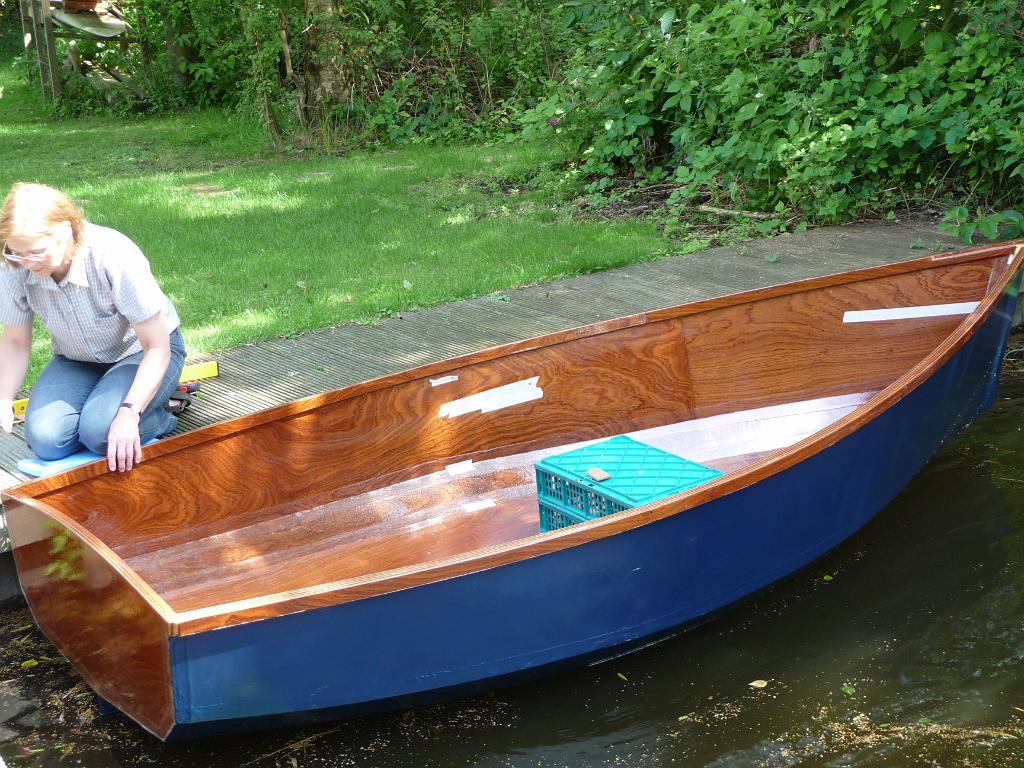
pixel 494 399
pixel 909 313
pixel 443 380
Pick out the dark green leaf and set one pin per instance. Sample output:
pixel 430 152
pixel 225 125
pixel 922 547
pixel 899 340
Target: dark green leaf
pixel 747 111
pixel 666 21
pixel 926 137
pixel 989 226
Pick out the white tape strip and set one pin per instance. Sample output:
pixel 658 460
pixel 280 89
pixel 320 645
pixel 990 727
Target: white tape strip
pixel 476 506
pixel 909 313
pixel 460 468
pixel 494 399
pixel 443 380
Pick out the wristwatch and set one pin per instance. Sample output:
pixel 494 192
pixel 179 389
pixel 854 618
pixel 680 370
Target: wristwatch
pixel 132 407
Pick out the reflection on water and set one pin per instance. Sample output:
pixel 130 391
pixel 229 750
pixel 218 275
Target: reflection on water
pixel 902 648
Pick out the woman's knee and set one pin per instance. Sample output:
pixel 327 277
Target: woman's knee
pixel 94 428
pixel 51 437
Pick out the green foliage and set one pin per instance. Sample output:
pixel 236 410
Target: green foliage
pixel 1002 225
pixel 213 33
pixel 65 554
pixel 825 110
pixel 415 70
pixel 443 70
pixel 79 97
pixel 254 245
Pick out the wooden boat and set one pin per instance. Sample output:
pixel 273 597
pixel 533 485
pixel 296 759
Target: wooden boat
pixel 378 546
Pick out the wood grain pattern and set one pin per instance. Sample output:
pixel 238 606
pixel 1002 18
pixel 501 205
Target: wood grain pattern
pixel 593 387
pixel 102 624
pixel 39 487
pixel 796 347
pixel 351 538
pixel 773 345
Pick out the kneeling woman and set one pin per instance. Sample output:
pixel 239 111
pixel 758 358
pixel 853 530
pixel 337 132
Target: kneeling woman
pixel 117 350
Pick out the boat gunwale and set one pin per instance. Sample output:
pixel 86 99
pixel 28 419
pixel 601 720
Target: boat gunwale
pixel 382 582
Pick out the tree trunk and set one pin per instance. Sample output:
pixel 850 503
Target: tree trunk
pixel 180 55
pixel 300 91
pixel 263 72
pixel 326 75
pixel 272 123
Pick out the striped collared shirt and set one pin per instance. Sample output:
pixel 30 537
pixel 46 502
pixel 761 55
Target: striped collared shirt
pixel 89 313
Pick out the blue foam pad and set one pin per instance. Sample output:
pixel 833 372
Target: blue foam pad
pixel 36 467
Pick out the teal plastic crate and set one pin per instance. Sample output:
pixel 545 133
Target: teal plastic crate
pixel 637 474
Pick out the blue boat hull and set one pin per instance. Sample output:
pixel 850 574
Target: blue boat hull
pixel 584 603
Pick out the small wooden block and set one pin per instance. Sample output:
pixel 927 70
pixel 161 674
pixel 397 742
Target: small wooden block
pixel 597 474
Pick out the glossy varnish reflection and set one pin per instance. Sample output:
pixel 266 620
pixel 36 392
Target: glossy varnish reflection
pixel 109 627
pixel 356 537
pixel 389 435
pixel 365 491
pixel 795 347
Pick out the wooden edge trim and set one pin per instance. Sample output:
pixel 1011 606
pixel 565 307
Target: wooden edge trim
pixel 230 427
pixel 348 590
pixel 145 591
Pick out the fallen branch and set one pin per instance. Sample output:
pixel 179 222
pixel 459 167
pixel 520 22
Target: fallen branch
pixel 126 82
pixel 659 187
pixel 295 746
pixel 726 212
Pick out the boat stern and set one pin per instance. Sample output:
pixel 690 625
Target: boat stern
pixel 92 611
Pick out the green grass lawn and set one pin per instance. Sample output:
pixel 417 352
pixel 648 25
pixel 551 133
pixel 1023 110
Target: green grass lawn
pixel 252 245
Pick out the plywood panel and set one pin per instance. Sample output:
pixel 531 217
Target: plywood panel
pixel 797 347
pixel 107 629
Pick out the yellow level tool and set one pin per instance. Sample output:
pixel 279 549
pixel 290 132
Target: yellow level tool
pixel 207 370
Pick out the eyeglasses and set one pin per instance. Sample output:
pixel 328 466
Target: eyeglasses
pixel 34 257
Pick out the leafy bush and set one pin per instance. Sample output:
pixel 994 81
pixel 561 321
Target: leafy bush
pixel 1000 225
pixel 822 109
pixel 438 70
pixel 414 70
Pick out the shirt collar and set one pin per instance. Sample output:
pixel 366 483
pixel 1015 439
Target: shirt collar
pixel 77 274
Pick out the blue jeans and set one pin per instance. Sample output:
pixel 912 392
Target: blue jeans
pixel 73 403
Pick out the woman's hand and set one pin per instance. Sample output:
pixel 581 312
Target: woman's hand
pixel 15 351
pixel 124 449
pixel 6 415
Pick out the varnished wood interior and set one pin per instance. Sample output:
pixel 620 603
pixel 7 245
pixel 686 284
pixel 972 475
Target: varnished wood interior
pixel 355 483
pixel 797 347
pixel 434 516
